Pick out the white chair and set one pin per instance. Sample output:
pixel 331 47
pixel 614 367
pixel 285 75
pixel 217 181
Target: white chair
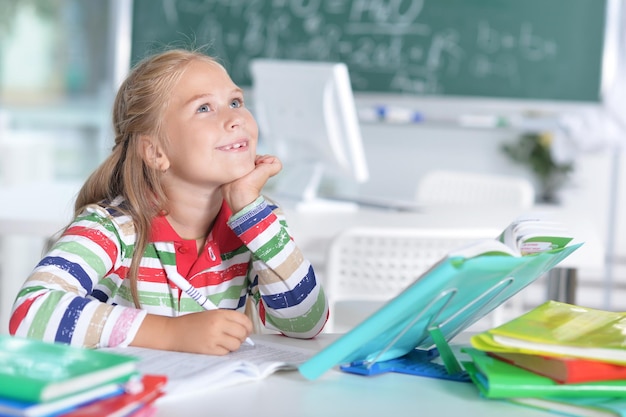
pixel 469 188
pixel 367 266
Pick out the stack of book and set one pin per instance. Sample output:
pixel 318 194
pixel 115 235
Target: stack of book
pixel 40 379
pixel 558 357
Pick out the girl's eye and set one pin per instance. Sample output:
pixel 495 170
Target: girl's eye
pixel 204 108
pixel 236 103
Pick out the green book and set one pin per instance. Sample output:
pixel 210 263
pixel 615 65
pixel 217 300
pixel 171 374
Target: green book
pixel 498 379
pixel 36 371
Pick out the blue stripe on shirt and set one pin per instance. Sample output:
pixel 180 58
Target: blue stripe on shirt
pixel 242 301
pixel 293 297
pixel 100 295
pixel 70 317
pixel 250 219
pixel 74 269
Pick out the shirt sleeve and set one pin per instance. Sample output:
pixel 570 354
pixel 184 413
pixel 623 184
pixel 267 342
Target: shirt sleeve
pixel 290 299
pixel 59 300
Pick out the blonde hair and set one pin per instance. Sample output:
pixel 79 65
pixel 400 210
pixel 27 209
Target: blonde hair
pixel 138 110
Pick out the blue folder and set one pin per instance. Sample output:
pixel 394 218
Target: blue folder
pixel 448 298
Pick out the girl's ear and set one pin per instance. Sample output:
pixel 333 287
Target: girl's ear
pixel 153 154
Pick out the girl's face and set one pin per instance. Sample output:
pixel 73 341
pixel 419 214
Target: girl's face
pixel 212 136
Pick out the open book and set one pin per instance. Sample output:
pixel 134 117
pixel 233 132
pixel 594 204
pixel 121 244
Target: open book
pixel 453 294
pixel 524 236
pixel 188 373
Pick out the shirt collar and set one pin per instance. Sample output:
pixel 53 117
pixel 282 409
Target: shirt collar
pixel 162 230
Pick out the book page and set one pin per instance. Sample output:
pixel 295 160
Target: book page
pixel 528 235
pixel 189 372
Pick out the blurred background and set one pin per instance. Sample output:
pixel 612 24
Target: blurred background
pixel 62 60
pixel 56 89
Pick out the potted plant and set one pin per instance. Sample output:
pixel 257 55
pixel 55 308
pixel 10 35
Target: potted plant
pixel 533 150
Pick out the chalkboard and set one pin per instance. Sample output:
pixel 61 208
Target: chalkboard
pixel 528 49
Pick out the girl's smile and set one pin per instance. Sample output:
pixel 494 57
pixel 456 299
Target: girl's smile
pixel 235 147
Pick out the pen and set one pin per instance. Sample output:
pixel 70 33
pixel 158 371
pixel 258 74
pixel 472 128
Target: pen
pixel 193 292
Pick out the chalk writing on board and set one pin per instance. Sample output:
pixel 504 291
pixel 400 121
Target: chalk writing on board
pixel 412 46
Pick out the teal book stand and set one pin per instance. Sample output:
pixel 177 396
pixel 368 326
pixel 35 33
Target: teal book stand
pixel 410 330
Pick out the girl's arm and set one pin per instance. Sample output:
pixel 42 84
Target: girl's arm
pixel 62 299
pixel 68 296
pixel 289 297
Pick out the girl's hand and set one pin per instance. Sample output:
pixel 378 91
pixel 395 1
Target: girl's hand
pixel 246 189
pixel 213 332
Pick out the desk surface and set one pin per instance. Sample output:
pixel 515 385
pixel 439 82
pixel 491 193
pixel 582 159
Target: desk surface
pixel 336 393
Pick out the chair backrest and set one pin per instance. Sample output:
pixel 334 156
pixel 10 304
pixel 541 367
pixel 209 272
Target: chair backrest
pixel 470 188
pixel 368 266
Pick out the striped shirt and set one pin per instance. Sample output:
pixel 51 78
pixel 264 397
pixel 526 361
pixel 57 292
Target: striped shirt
pixel 78 293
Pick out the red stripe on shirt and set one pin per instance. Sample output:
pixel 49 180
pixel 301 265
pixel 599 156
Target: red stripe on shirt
pixel 96 236
pixel 20 312
pixel 250 234
pixel 209 278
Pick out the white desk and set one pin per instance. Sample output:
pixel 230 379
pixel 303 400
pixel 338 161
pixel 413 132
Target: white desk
pixel 336 393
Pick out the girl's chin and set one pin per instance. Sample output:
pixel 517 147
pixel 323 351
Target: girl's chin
pixel 242 172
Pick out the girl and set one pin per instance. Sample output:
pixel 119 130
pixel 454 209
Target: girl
pixel 180 195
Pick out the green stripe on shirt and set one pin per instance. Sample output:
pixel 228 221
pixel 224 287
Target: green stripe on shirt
pixel 273 246
pixel 305 322
pixel 40 322
pixel 93 260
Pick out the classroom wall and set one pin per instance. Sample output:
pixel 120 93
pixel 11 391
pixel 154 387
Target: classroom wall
pixel 399 155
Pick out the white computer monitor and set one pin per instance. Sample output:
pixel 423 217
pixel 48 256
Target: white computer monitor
pixel 307 117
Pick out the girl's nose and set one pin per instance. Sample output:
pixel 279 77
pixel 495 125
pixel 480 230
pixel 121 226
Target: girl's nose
pixel 233 120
